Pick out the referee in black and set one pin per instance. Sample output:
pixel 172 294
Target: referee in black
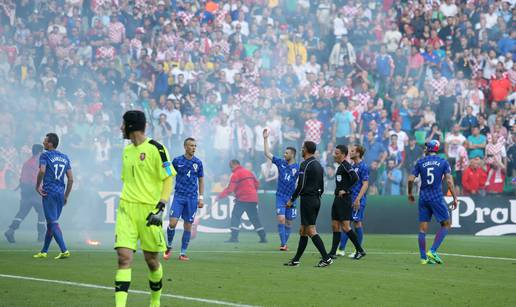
pixel 342 209
pixel 310 186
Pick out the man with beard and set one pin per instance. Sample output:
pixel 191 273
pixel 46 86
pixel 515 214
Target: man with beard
pixel 310 187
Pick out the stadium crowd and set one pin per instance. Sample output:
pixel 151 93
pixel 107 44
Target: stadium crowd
pixel 387 74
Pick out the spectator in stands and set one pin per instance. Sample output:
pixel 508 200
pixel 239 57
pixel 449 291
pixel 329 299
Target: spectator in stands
pixel 511 156
pixel 500 87
pixel 402 136
pixel 434 134
pixel 476 144
pixel 342 53
pixel 391 179
pixel 268 175
pixel 495 176
pixel 374 150
pixel 453 141
pixel 474 178
pixel 468 121
pixel 111 56
pixel 343 125
pixel 313 128
pixel 412 153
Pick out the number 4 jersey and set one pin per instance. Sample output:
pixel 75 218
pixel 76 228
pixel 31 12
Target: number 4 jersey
pixel 56 165
pixel 431 169
pixel 188 173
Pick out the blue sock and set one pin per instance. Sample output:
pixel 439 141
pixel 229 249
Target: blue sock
pixel 48 238
pixel 281 232
pixel 439 238
pixel 58 235
pixel 360 234
pixel 287 233
pixel 422 245
pixel 343 240
pixel 170 236
pixel 185 241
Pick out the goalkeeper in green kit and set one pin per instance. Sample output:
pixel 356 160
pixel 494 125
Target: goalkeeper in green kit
pixel 147 185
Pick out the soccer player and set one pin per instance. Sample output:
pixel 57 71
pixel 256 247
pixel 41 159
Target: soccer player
pixel 29 198
pixel 432 169
pixel 188 196
pixel 50 184
pixel 358 195
pixel 341 210
pixel 244 185
pixel 288 171
pixel 310 187
pixel 147 185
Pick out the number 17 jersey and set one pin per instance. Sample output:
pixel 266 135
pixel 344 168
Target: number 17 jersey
pixel 431 169
pixel 56 165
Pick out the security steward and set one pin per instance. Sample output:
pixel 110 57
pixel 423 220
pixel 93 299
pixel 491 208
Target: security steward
pixel 244 185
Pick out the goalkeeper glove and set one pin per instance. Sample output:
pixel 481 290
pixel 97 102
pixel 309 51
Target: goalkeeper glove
pixel 156 218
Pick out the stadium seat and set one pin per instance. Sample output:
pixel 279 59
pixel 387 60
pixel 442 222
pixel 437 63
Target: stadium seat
pixel 420 137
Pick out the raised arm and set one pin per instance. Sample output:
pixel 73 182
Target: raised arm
pixel 266 149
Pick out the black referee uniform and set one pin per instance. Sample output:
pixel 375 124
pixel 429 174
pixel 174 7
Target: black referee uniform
pixel 310 186
pixel 342 208
pixel 345 178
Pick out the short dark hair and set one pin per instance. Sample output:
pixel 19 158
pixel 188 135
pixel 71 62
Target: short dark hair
pixel 310 147
pixel 188 139
pixel 294 151
pixel 53 138
pixel 342 148
pixel 36 149
pixel 360 149
pixel 235 162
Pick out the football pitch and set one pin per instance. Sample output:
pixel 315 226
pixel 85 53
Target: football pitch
pixel 477 271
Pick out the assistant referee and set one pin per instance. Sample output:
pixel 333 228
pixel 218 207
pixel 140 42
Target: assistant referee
pixel 147 181
pixel 342 209
pixel 310 186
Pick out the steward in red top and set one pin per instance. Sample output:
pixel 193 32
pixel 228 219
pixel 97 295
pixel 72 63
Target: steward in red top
pixel 244 185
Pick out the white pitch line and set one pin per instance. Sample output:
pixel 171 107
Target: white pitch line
pixel 371 252
pixel 479 257
pixel 84 285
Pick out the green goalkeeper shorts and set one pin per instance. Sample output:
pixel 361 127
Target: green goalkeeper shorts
pixel 131 226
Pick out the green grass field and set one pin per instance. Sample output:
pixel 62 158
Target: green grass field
pixel 252 274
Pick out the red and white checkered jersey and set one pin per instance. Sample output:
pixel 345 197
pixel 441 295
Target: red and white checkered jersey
pixel 106 52
pixel 313 130
pixel 116 32
pixel 439 85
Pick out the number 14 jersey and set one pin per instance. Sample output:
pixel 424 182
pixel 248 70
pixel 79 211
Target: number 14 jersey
pixel 431 169
pixel 56 165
